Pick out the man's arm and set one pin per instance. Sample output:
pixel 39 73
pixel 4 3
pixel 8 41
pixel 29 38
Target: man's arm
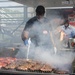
pixel 73 34
pixel 26 30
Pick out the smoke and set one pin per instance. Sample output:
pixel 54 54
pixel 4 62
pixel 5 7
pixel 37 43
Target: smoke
pixel 60 60
pixel 44 49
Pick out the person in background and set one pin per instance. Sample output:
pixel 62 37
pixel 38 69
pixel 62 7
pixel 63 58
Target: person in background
pixel 66 32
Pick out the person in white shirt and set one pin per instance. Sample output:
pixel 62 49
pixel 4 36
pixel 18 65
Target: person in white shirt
pixel 66 32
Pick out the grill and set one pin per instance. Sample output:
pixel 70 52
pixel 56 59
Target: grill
pixel 14 72
pixel 4 71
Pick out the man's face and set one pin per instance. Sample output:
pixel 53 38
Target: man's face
pixel 40 16
pixel 66 25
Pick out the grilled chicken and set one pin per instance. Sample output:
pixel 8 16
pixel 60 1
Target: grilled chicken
pixel 46 68
pixel 36 66
pixel 24 67
pixel 12 65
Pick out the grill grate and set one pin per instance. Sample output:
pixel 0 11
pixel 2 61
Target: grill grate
pixel 14 72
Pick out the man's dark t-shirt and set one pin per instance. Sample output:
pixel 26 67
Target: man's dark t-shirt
pixel 36 31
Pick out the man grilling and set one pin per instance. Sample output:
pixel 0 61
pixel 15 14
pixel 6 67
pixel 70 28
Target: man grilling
pixel 37 29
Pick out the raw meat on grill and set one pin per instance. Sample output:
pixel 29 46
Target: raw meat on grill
pixel 5 61
pixel 15 64
pixel 2 64
pixel 10 59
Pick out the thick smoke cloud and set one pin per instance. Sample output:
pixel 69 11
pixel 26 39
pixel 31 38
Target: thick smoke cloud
pixel 45 50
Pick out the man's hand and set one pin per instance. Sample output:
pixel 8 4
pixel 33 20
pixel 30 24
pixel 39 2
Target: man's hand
pixel 62 35
pixel 27 41
pixel 26 34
